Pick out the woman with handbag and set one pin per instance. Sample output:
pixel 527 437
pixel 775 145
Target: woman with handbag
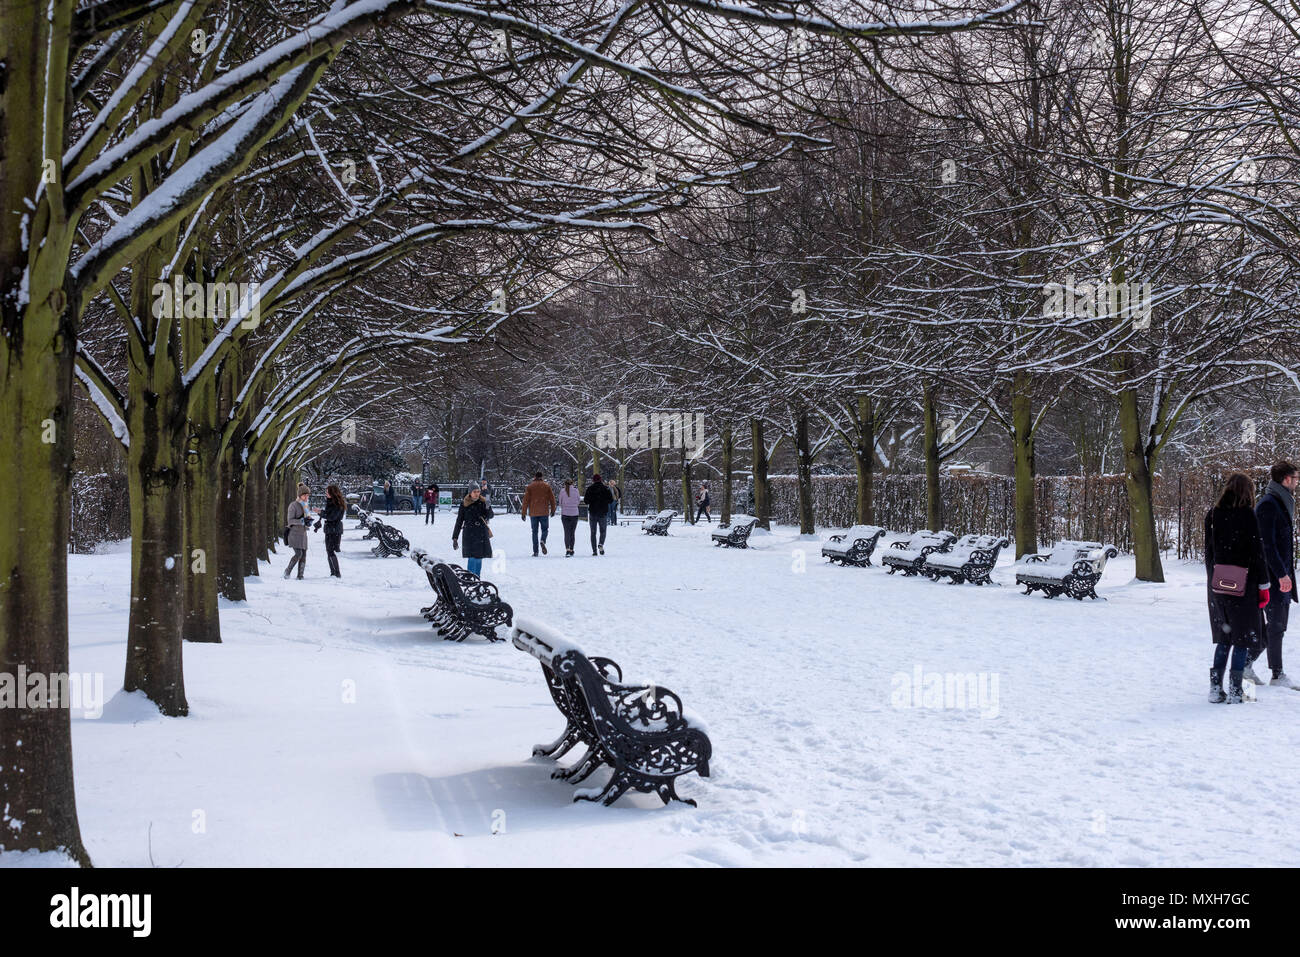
pixel 1237 586
pixel 336 507
pixel 472 519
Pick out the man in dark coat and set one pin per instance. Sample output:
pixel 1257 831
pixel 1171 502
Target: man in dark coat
pixel 1276 514
pixel 598 499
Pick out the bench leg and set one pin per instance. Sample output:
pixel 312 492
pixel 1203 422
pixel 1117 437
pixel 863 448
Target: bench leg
pixel 560 746
pixel 579 772
pixel 613 790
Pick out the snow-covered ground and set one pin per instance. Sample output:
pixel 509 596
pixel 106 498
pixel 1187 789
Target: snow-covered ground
pixel 1091 743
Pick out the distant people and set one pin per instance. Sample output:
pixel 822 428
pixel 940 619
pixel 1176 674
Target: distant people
pixel 430 503
pixel 1234 553
pixel 417 498
pixel 472 518
pixel 598 499
pixel 702 505
pixel 569 501
pixel 617 492
pixel 390 494
pixel 1276 515
pixel 298 518
pixel 539 505
pixel 336 507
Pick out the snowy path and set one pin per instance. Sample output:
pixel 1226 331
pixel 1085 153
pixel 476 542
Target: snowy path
pixel 1097 749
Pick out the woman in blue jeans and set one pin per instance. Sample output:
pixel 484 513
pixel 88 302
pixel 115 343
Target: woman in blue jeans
pixel 472 518
pixel 1233 545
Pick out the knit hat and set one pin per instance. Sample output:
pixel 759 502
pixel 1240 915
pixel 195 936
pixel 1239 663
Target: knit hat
pixel 303 490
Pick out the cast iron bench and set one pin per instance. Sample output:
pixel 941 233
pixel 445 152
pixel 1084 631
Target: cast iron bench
pixel 1068 568
pixel 854 547
pixel 735 535
pixel 658 524
pixel 971 559
pixel 908 555
pixel 639 731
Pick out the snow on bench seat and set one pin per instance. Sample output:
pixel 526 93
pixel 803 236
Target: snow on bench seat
pixel 1069 568
pixel 971 559
pixel 908 554
pixel 853 547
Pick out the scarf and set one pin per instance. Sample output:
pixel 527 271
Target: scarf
pixel 1284 496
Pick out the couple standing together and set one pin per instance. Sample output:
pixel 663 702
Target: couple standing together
pixel 539 504
pixel 1250 561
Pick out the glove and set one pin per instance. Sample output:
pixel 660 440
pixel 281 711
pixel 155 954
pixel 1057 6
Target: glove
pixel 1263 597
pixel 523 517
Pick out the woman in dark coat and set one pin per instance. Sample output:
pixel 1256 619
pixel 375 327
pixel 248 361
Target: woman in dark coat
pixel 473 517
pixel 1232 538
pixel 336 507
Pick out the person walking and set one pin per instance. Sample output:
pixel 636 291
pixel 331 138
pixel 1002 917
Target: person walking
pixel 598 499
pixel 1276 515
pixel 539 505
pixel 617 492
pixel 430 503
pixel 336 507
pixel 298 518
pixel 417 498
pixel 1237 585
pixel 703 505
pixel 569 500
pixel 472 518
pixel 389 495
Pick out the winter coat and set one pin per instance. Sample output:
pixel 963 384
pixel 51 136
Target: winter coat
pixel 473 519
pixel 1278 539
pixel 389 492
pixel 333 519
pixel 598 498
pixel 297 519
pixel 538 500
pixel 704 498
pixel 431 495
pixel 569 500
pixel 1232 538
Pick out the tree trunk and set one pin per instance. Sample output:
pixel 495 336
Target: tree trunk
pixel 153 649
pixel 807 520
pixel 595 461
pixel 1138 482
pixel 38 809
pixel 249 527
pixel 1022 440
pixel 762 500
pixel 933 502
pixel 202 620
pixel 727 449
pixel 864 457
pixel 230 529
pixel 657 476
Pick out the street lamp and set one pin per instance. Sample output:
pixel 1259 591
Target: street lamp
pixel 424 469
pixel 555 471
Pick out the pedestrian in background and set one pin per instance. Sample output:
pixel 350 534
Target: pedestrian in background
pixel 1276 516
pixel 598 499
pixel 298 518
pixel 539 505
pixel 472 518
pixel 569 501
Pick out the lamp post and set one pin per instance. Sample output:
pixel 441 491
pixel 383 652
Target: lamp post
pixel 424 451
pixel 555 471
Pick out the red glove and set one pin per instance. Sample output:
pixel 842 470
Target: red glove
pixel 1263 597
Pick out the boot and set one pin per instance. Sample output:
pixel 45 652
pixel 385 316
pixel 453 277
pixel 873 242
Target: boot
pixel 1249 675
pixel 1216 687
pixel 1234 687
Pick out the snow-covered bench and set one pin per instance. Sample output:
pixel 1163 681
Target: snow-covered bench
pixel 1069 568
pixel 970 559
pixel 735 535
pixel 908 555
pixel 363 518
pixel 641 732
pixel 658 524
pixel 466 604
pixel 854 547
pixel 391 541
